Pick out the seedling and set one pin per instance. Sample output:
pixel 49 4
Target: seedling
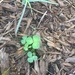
pixel 31 57
pixel 31 43
pixel 25 3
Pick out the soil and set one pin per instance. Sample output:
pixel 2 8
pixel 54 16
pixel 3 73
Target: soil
pixel 56 27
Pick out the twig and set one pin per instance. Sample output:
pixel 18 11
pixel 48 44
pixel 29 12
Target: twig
pixel 7 32
pixel 37 11
pixel 42 18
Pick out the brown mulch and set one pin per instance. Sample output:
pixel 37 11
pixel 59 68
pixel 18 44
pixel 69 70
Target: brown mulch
pixel 56 27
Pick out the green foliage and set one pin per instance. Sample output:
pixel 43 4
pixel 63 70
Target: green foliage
pixel 30 45
pixel 36 38
pixel 23 41
pixel 26 47
pixel 29 54
pixel 35 45
pixel 31 57
pixel 29 40
pixel 25 3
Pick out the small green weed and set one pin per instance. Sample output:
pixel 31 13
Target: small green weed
pixel 25 3
pixel 31 44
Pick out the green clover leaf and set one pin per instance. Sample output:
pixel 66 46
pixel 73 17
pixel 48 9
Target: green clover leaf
pixel 23 41
pixel 30 60
pixel 36 38
pixel 29 54
pixel 29 40
pixel 35 45
pixel 26 47
pixel 35 58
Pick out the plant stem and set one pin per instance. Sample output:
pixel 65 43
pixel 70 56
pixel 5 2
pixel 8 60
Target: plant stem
pixel 19 22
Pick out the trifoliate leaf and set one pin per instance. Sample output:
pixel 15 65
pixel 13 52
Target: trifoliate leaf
pixel 36 38
pixel 26 47
pixel 29 54
pixel 35 58
pixel 30 60
pixel 36 45
pixel 23 41
pixel 29 40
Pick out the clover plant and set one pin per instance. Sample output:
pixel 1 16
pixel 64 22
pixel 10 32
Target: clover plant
pixel 31 43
